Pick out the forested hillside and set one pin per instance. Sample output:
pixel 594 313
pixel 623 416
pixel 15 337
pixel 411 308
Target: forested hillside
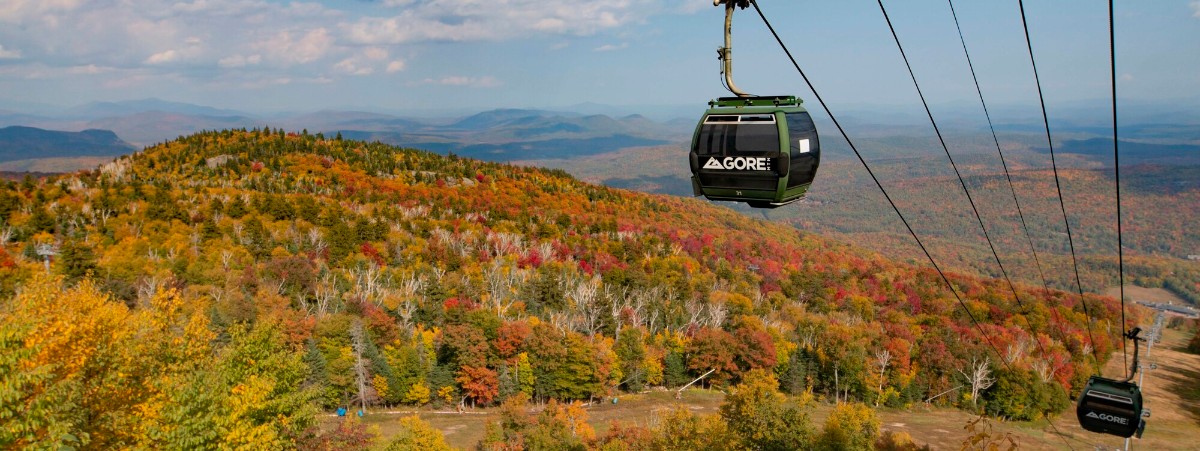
pixel 224 287
pixel 1160 201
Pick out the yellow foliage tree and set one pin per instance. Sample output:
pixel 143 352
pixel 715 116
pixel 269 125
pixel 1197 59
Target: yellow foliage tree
pixel 416 434
pixel 77 349
pixel 850 427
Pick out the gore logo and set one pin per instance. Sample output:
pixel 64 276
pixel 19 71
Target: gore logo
pixel 1108 418
pixel 739 163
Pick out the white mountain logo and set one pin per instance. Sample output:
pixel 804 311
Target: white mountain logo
pixel 1107 417
pixel 739 164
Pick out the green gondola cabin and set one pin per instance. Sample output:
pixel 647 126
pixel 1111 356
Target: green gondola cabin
pixel 760 150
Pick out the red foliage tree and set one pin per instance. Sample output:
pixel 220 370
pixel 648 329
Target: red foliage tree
pixel 479 383
pixel 465 345
pixel 755 348
pixel 713 349
pixel 511 338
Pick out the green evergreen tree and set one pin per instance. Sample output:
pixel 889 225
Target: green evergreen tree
pixel 76 260
pixel 631 351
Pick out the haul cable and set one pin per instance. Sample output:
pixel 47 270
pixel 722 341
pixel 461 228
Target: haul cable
pixel 1058 185
pixel 880 185
pixel 975 209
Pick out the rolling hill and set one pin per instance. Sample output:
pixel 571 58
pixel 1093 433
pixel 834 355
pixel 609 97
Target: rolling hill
pixel 306 272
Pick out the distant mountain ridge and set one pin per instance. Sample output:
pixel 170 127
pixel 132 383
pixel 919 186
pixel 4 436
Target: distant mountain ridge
pixel 23 143
pixel 504 134
pixel 96 110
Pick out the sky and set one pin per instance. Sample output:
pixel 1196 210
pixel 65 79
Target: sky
pixel 407 55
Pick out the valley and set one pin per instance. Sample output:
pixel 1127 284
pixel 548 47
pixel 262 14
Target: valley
pixel 1161 197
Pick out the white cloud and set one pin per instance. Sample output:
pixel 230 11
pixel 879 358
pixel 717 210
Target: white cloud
pixel 375 53
pixel 365 62
pixel 301 48
pixel 471 20
pixel 162 57
pixel 458 80
pixel 239 61
pixel 230 43
pixel 19 10
pixel 353 67
pixel 90 69
pixel 9 54
pixel 690 6
pixel 217 33
pixel 1195 9
pixel 611 47
pixel 1126 77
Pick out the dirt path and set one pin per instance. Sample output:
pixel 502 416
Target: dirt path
pixel 1171 392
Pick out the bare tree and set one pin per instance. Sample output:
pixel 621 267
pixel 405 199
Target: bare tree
pixel 716 314
pixel 502 280
pixel 1017 350
pixel 238 228
pixel 1044 369
pixel 882 358
pixel 408 291
pixel 561 321
pixel 369 282
pixel 194 239
pixel 979 376
pixel 696 312
pixel 325 293
pixel 808 337
pixel 639 302
pixel 618 301
pixel 585 305
pixel 358 343
pixel 149 287
pixel 504 243
pixel 316 240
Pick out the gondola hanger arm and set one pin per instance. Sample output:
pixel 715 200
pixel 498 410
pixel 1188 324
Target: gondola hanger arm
pixel 725 54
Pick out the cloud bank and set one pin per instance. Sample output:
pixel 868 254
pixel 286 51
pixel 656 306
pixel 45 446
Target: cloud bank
pixel 254 42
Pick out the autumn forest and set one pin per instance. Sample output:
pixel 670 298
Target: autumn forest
pixel 226 289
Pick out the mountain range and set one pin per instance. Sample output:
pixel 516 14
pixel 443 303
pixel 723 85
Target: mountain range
pixel 497 135
pixel 22 143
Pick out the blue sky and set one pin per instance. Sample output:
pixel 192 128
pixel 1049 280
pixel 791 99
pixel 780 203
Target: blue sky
pixel 410 55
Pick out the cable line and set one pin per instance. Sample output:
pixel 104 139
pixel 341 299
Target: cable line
pixel 954 165
pixel 1003 162
pixel 962 182
pixel 1058 185
pixel 880 185
pixel 1112 54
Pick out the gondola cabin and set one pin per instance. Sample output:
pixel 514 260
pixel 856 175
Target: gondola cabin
pixel 1110 407
pixel 760 150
